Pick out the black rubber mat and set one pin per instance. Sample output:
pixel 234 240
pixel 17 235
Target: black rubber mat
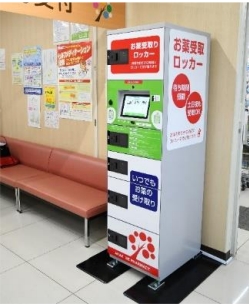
pixel 244 218
pixel 97 267
pixel 177 286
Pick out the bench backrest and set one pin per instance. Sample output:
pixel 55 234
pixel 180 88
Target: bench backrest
pixel 29 154
pixel 80 168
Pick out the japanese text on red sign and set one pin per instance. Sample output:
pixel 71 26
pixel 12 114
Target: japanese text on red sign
pixel 144 54
pixel 143 51
pixel 72 55
pixel 194 108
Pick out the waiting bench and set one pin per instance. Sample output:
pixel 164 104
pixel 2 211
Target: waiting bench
pixel 72 181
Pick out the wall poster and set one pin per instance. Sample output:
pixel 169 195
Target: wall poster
pixel 51 119
pixel 50 97
pixel 34 111
pixel 74 80
pixel 79 32
pixel 32 70
pixel 17 68
pixel 2 59
pixel 61 32
pixel 49 67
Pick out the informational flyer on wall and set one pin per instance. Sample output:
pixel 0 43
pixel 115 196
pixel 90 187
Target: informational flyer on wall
pixel 188 54
pixel 32 70
pixel 2 59
pixel 49 66
pixel 34 111
pixel 79 32
pixel 17 68
pixel 51 119
pixel 50 97
pixel 74 77
pixel 61 31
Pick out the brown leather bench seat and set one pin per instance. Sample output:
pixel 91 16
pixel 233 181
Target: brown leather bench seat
pixel 72 181
pixel 80 199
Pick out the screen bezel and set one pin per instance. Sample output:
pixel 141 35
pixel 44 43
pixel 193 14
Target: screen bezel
pixel 134 95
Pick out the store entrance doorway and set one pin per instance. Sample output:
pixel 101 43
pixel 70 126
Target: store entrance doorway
pixel 239 193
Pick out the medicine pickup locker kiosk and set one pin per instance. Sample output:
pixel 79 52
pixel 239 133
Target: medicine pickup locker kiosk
pixel 157 91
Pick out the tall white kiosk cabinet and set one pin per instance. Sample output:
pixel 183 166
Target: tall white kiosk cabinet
pixel 157 94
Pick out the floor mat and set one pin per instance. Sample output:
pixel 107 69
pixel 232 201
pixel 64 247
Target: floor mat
pixel 97 267
pixel 177 286
pixel 244 218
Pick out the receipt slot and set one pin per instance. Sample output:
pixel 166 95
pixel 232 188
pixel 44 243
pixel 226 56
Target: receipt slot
pixel 157 85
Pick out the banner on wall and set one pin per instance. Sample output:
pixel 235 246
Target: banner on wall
pixel 32 70
pixel 74 78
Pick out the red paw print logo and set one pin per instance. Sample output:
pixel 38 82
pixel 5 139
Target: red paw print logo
pixel 140 242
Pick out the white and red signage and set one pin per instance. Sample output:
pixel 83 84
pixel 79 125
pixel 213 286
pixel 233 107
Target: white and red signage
pixel 187 89
pixel 145 55
pixel 142 247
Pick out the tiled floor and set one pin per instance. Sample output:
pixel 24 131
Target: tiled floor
pixel 39 251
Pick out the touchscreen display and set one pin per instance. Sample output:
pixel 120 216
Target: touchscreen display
pixel 136 106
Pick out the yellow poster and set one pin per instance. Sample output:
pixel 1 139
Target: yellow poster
pixel 50 97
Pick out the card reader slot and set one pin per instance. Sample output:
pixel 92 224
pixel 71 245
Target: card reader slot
pixel 118 139
pixel 118 57
pixel 118 166
pixel 117 239
pixel 118 199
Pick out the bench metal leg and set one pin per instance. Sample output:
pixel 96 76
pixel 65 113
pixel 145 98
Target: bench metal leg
pixel 87 239
pixel 18 201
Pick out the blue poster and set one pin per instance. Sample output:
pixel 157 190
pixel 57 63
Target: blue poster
pixel 144 190
pixel 32 69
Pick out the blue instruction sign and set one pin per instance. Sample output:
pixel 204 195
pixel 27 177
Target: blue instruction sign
pixel 144 190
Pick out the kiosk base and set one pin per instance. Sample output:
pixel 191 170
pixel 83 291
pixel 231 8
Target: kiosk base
pixel 98 266
pixel 177 286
